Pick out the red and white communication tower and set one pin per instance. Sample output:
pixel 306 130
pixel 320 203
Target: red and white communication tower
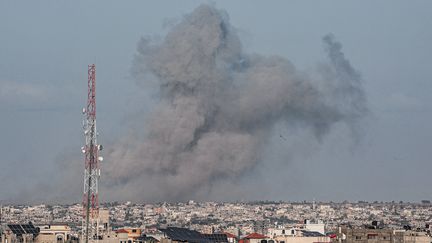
pixel 90 224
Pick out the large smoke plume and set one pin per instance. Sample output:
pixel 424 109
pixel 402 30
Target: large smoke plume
pixel 218 107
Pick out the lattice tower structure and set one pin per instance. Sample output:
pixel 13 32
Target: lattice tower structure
pixel 90 223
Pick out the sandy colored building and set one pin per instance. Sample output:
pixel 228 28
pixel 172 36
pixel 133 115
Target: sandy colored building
pixel 302 239
pixel 347 235
pixel 55 233
pixel 254 238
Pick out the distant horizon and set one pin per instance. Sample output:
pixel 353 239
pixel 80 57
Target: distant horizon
pixel 239 202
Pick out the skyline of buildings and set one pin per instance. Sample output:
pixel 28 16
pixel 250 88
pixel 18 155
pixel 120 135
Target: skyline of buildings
pixel 220 215
pixel 277 221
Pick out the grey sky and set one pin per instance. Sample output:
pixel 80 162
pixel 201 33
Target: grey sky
pixel 45 48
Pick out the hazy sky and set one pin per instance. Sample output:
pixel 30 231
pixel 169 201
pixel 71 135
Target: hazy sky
pixel 45 47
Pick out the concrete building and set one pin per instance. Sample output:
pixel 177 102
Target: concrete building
pixel 302 236
pixel 131 234
pixel 302 239
pixel 55 233
pixel 347 235
pixel 296 230
pixel 255 238
pixel 183 235
pixel 317 226
pixel 231 237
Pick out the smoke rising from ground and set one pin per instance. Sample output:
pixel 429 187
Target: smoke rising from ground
pixel 218 106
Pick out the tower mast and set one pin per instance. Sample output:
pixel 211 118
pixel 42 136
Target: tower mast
pixel 90 222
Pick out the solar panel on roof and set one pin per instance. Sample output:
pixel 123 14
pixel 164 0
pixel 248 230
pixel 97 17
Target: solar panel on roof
pixel 30 229
pixel 182 234
pixel 311 233
pixel 16 229
pixel 20 229
pixel 219 238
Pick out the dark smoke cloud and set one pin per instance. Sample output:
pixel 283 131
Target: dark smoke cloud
pixel 218 106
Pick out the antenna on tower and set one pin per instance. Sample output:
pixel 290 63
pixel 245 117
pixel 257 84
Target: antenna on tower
pixel 90 224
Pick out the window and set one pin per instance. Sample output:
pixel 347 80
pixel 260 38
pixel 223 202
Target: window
pixel 59 238
pixel 292 232
pixel 283 231
pixel 358 237
pixel 134 231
